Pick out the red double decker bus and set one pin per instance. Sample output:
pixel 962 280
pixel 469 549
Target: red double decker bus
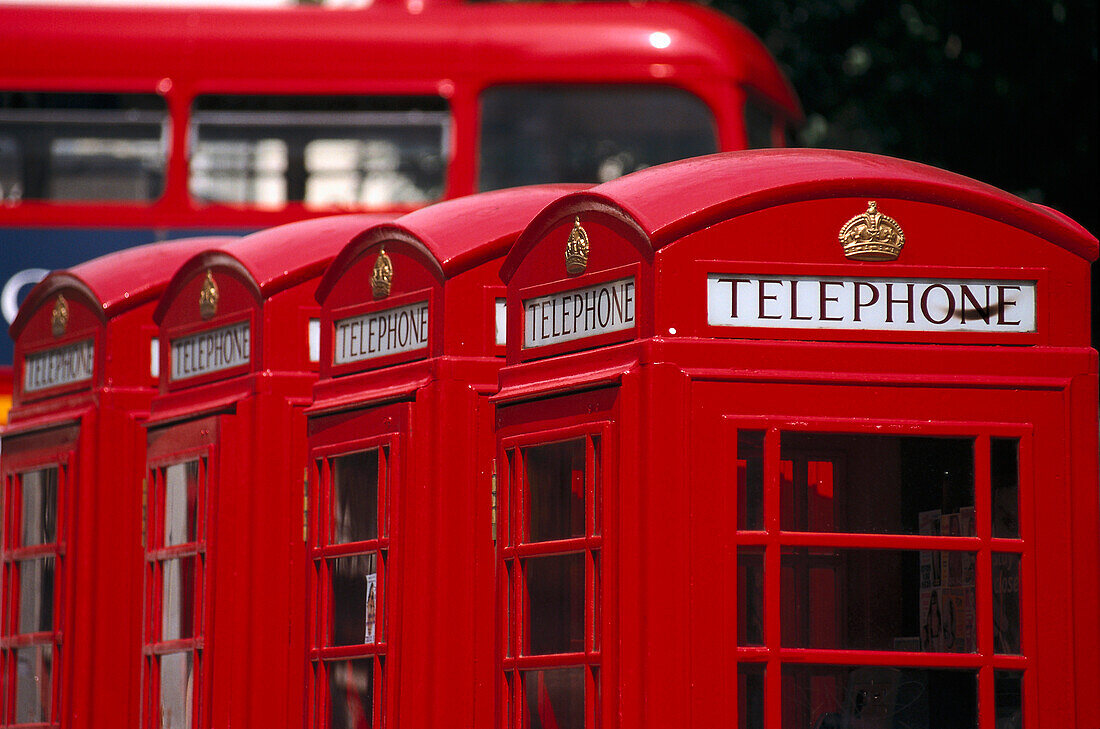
pixel 119 126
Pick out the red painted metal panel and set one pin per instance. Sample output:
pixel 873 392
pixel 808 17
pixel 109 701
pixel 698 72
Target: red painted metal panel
pixel 690 381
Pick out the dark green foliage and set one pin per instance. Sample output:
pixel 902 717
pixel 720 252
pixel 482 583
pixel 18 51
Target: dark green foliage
pixel 1004 92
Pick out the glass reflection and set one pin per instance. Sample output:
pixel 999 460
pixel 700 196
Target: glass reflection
pixel 750 596
pixel 750 479
pixel 1006 603
pixel 176 690
pixel 34 684
pixel 355 497
pixel 39 506
pixel 556 490
pixel 555 591
pixel 36 595
pixel 1008 691
pixel 355 605
pixel 878 697
pixel 884 484
pixel 750 695
pixel 864 599
pixel 554 698
pixel 351 694
pixel 178 593
pixel 181 502
pixel 1004 475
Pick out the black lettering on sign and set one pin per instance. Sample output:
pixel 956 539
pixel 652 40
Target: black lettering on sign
pixel 834 302
pixel 579 313
pixel 381 333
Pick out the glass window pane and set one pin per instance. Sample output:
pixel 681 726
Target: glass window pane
pixel 178 593
pixel 750 596
pixel 556 133
pixel 181 503
pixel 878 697
pixel 82 146
pixel 555 490
pixel 355 497
pixel 1008 691
pixel 1004 475
pixel 36 595
pixel 554 698
pixel 857 599
pixel 326 151
pixel 750 479
pixel 853 483
pixel 355 606
pixel 1006 603
pixel 758 124
pixel 33 684
pixel 750 695
pixel 177 687
pixel 351 694
pixel 555 591
pixel 39 506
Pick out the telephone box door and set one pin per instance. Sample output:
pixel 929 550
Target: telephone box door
pixel 179 497
pixel 556 541
pixel 889 546
pixel 356 482
pixel 38 495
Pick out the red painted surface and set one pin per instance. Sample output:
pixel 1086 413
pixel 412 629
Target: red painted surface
pixel 656 409
pixel 679 389
pixel 255 565
pixel 440 664
pixel 92 431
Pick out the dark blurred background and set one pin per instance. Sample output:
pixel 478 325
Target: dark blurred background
pixel 1004 92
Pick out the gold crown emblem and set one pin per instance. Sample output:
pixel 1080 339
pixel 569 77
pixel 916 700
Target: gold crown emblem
pixel 208 297
pixel 59 319
pixel 576 249
pixel 872 236
pixel 381 278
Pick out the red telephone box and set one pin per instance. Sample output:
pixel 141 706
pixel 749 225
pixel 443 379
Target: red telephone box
pixel 798 439
pixel 400 438
pixel 225 479
pixel 71 607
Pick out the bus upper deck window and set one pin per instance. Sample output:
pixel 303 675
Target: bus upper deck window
pixel 325 151
pixel 82 146
pixel 536 134
pixel 759 123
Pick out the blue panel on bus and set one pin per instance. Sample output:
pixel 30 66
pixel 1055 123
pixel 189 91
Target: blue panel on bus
pixel 28 254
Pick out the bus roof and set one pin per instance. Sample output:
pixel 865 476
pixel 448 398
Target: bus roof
pixel 236 50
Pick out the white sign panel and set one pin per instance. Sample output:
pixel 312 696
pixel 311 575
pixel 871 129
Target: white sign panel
pixel 211 351
pixel 500 310
pixel 890 304
pixel 59 366
pixel 379 333
pixel 580 313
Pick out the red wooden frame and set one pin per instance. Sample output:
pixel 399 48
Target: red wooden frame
pixel 22 455
pixel 514 548
pixel 771 539
pixel 377 434
pixel 174 445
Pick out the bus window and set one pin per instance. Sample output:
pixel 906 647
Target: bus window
pixel 758 125
pixel 82 146
pixel 532 134
pixel 324 151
